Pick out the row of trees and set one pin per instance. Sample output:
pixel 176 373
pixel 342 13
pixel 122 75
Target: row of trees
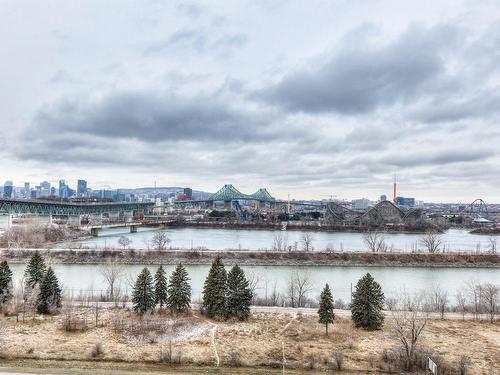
pixel 174 294
pixel 225 294
pixel 366 307
pixel 431 241
pixel 41 286
pixel 280 243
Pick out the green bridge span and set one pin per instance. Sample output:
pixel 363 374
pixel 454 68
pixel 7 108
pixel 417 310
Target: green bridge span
pixel 49 208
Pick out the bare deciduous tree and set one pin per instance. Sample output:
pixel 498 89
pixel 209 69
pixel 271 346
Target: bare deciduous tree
pixel 279 242
pixel 475 293
pixel 124 242
pixel 30 301
pixel 490 299
pixel 375 241
pixel 68 312
pixel 160 240
pixel 299 284
pixel 408 326
pixel 439 300
pixel 253 283
pixel 307 240
pixel 461 303
pixel 492 245
pixel 112 272
pixel 431 241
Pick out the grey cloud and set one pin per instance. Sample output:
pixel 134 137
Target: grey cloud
pixel 191 9
pixel 200 40
pixel 153 118
pixel 486 103
pixel 360 78
pixel 443 157
pixel 196 39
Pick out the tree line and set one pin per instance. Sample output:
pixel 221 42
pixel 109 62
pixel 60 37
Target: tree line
pixel 225 294
pixel 230 294
pixel 41 289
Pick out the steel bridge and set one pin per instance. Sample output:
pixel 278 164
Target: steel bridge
pixel 49 208
pixel 228 193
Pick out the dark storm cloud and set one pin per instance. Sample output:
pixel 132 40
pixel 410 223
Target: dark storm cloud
pixel 361 77
pixel 154 118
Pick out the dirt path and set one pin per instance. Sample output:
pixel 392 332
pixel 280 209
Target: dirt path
pixel 288 324
pixel 213 335
pixel 214 345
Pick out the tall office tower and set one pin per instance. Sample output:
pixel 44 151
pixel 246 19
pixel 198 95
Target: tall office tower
pixel 8 188
pixel 81 188
pixel 27 191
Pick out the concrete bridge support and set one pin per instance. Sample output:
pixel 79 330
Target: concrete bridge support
pixel 227 205
pixel 262 205
pixel 94 232
pixel 133 229
pixel 129 216
pixel 9 221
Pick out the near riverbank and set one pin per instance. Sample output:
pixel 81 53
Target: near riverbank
pixel 260 258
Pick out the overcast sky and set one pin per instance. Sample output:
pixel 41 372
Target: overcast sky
pixel 308 97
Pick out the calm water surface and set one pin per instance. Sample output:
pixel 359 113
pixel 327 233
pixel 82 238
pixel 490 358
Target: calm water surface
pixel 221 239
pixel 392 279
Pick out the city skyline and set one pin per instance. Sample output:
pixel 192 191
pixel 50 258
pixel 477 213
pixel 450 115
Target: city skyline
pixel 331 99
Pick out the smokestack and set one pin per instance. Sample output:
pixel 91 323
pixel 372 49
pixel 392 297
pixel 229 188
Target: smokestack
pixel 395 191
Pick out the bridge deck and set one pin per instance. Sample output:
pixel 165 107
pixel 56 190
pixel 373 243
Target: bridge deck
pixel 29 206
pixel 142 223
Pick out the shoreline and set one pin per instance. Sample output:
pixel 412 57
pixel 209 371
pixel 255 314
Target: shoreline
pixel 316 227
pixel 259 258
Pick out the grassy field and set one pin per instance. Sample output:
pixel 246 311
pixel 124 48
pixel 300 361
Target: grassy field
pixel 189 344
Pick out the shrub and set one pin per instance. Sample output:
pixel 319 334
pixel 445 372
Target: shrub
pixel 97 351
pixel 338 356
pixel 311 361
pixel 463 365
pixel 165 355
pixel 235 358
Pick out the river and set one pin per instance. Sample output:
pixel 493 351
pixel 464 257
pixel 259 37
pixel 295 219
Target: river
pixel 78 277
pixel 221 239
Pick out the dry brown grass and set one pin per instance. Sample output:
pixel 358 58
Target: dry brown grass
pixel 256 343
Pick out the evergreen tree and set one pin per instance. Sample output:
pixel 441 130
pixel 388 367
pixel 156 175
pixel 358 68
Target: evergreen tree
pixel 35 270
pixel 214 291
pixel 179 291
pixel 239 295
pixel 367 304
pixel 5 283
pixel 160 287
pixel 143 295
pixel 325 312
pixel 50 293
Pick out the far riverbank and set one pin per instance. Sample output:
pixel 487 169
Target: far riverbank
pixel 260 258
